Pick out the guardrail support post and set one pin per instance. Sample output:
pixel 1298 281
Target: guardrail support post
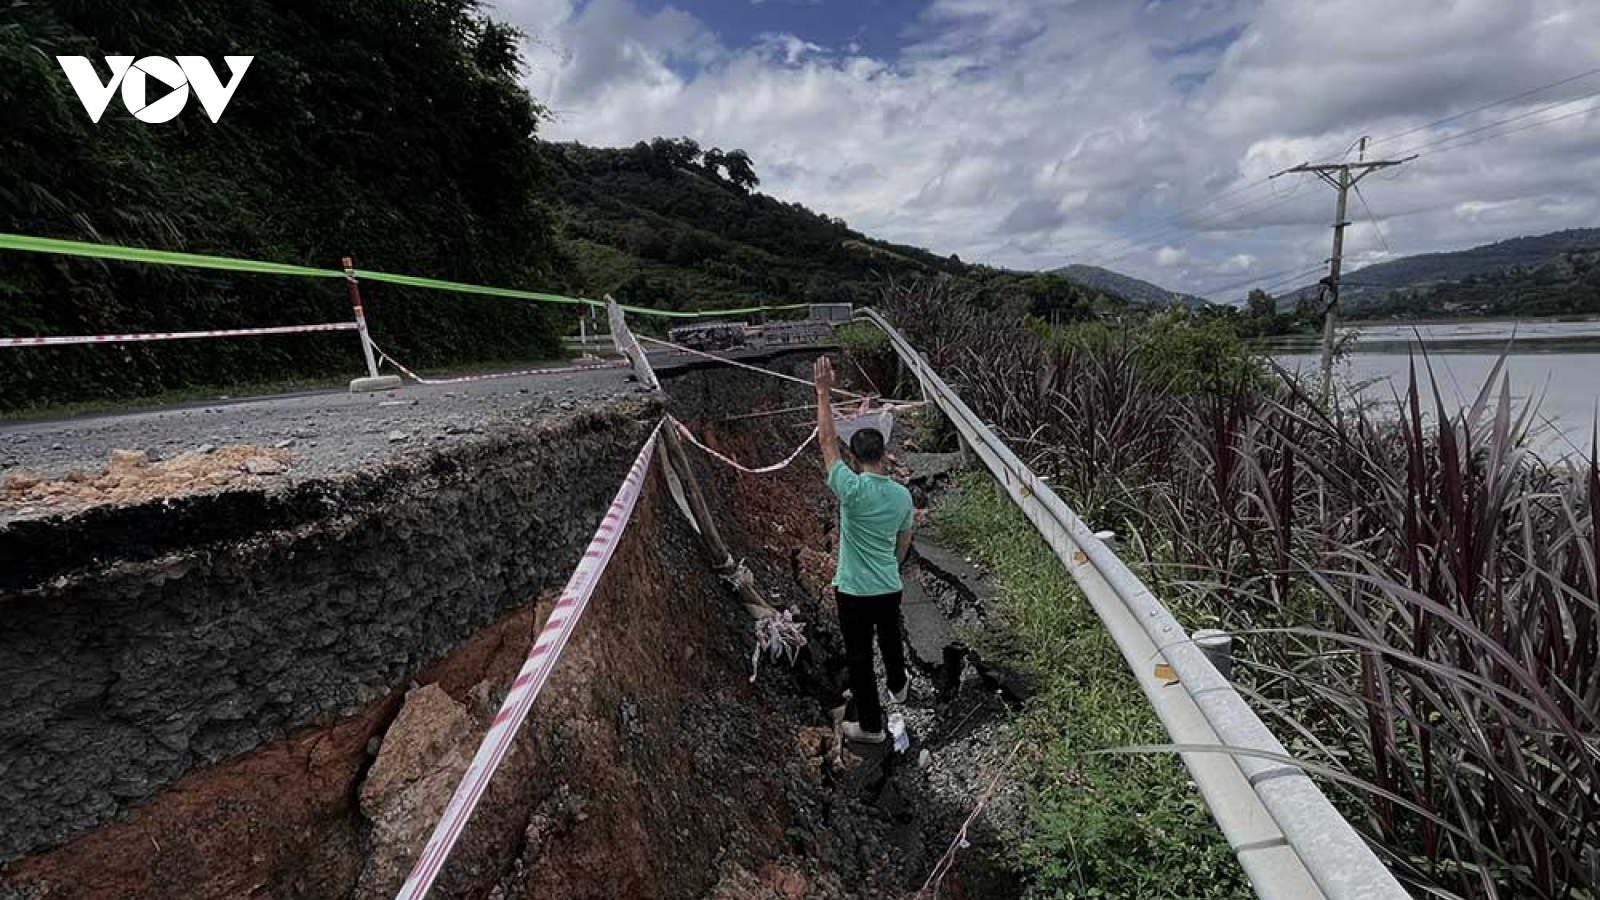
pixel 1218 648
pixel 373 381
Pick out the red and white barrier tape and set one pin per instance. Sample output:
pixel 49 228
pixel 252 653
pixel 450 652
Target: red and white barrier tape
pixel 892 406
pixel 741 365
pixel 535 672
pixel 169 335
pixel 764 470
pixel 464 379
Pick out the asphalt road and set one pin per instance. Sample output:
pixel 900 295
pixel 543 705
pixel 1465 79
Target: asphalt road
pixel 328 433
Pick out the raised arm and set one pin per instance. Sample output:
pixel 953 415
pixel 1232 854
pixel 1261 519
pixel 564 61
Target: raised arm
pixel 827 435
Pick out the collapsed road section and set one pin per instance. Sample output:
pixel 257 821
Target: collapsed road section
pixel 269 687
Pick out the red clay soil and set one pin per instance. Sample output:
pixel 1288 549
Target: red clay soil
pixel 279 822
pixel 794 510
pixel 647 769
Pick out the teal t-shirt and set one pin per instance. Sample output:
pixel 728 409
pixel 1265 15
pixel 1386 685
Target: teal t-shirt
pixel 873 510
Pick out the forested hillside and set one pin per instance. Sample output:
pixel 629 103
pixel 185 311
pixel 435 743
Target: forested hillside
pixel 393 130
pixel 1567 284
pixel 667 223
pixel 1411 271
pixel 1528 276
pixel 1128 287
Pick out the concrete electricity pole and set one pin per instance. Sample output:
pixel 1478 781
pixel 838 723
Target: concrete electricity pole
pixel 1343 177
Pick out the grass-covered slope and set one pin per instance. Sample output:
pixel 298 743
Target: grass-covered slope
pixel 1099 825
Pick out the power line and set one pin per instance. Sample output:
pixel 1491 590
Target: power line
pixel 1270 286
pixel 1160 231
pixel 1207 222
pixel 1253 280
pixel 1439 146
pixel 1498 134
pixel 1091 253
pixel 1373 219
pixel 1293 190
pixel 1487 106
pixel 1492 125
pixel 1264 281
pixel 1156 225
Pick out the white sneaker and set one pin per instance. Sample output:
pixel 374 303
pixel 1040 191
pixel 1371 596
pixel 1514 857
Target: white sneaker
pixel 901 695
pixel 854 732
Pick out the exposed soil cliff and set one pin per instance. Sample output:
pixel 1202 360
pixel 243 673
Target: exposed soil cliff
pixel 284 715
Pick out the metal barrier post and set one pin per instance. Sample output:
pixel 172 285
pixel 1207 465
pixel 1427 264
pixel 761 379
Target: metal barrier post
pixel 1218 648
pixel 373 381
pixel 628 346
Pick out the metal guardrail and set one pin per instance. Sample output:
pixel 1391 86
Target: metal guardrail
pixel 1291 842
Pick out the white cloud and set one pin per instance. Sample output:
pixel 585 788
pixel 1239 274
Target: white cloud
pixel 1033 133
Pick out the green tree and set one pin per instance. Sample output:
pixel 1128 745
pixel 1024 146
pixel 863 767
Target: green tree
pixel 1055 299
pixel 713 161
pixel 1192 354
pixel 1261 304
pixel 741 171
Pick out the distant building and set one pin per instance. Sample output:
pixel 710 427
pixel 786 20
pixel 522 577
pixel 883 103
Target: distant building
pixel 831 312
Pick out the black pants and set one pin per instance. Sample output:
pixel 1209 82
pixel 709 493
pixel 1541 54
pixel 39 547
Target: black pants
pixel 859 617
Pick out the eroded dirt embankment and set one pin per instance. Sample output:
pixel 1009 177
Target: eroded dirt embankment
pixel 285 716
pixel 116 679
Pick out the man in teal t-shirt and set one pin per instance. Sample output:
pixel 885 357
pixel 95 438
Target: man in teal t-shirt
pixel 875 523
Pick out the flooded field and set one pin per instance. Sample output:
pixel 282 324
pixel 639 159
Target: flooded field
pixel 1556 364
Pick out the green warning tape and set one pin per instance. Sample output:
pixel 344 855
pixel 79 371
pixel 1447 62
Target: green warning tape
pixel 30 244
pixel 157 257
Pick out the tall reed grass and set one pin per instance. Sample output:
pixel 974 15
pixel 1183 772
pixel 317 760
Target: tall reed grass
pixel 1416 591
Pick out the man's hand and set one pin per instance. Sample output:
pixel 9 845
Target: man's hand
pixel 822 373
pixel 827 436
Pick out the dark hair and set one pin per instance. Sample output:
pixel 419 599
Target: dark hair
pixel 867 445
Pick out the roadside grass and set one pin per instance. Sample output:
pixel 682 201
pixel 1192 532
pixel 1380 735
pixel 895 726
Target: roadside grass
pixel 1124 826
pixel 857 338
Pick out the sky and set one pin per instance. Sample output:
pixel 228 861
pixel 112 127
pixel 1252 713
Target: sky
pixel 1133 134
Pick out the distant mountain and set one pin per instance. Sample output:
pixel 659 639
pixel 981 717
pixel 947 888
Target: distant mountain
pixel 1567 284
pixel 1430 272
pixel 1128 287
